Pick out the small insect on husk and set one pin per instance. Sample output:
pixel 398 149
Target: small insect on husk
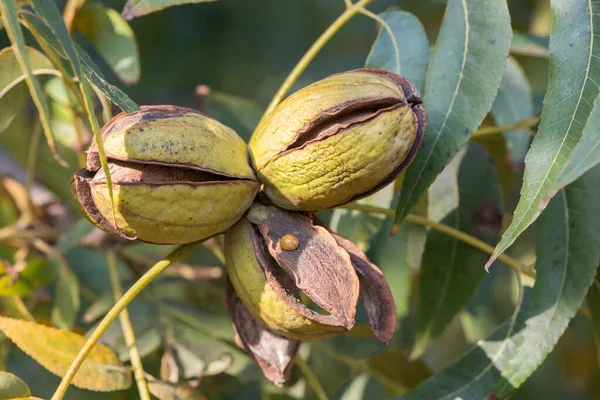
pixel 288 242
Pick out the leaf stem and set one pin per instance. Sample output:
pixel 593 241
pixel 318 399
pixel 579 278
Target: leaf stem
pixel 137 287
pixel 522 124
pixel 314 50
pixel 134 354
pixel 311 378
pixel 448 230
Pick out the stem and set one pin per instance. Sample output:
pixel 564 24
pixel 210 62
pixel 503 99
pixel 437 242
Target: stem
pixel 137 287
pixel 134 354
pixel 22 308
pixel 311 378
pixel 448 230
pixel 69 13
pixel 314 50
pixel 523 124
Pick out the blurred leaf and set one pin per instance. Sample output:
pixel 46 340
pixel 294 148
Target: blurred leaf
pixel 572 90
pixel 12 386
pixel 69 239
pixel 90 69
pixel 238 113
pixel 442 195
pixel 66 299
pixel 407 54
pixel 13 91
pixel 529 45
pixel 55 350
pixel 451 269
pixel 514 103
pixel 112 36
pixel 13 29
pixel 62 113
pixel 138 8
pixel 174 391
pixel 394 365
pixel 35 274
pixel 361 386
pixel 593 302
pixel 568 247
pixel 462 80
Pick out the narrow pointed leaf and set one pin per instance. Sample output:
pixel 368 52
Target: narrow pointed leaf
pixel 451 269
pixel 9 14
pixel 514 103
pixel 137 8
pixel 572 91
pixel 568 247
pixel 12 386
pixel 90 69
pixel 464 72
pixel 66 299
pixel 586 154
pixel 112 36
pixel 406 52
pixel 55 350
pixel 13 91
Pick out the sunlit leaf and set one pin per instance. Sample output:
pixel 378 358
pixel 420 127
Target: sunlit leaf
pixel 55 350
pixel 529 45
pixel 10 17
pixel 66 299
pixel 464 72
pixel 451 269
pixel 13 91
pixel 572 91
pixel 12 386
pixel 240 114
pixel 90 69
pixel 137 8
pixel 35 274
pixel 112 36
pixel 514 103
pixel 407 53
pixel 568 247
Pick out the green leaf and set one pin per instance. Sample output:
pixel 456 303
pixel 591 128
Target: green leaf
pixel 405 52
pixel 112 36
pixel 55 350
pixel 451 269
pixel 10 17
pixel 174 391
pixel 568 247
pixel 514 103
pixel 90 69
pixel 586 154
pixel 361 386
pixel 12 386
pixel 137 8
pixel 66 299
pixel 394 364
pixel 35 274
pixel 240 114
pixel 593 302
pixel 13 91
pixel 572 90
pixel 529 45
pixel 464 72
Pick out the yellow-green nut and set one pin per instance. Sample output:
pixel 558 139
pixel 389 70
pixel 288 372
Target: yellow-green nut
pixel 178 176
pixel 338 140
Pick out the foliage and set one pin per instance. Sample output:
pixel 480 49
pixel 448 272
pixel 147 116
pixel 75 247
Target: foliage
pixel 501 177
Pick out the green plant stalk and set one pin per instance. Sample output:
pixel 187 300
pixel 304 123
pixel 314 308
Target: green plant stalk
pixel 523 124
pixel 137 287
pixel 311 378
pixel 134 354
pixel 448 230
pixel 314 50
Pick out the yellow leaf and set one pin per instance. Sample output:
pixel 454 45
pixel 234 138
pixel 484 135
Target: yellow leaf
pixel 55 350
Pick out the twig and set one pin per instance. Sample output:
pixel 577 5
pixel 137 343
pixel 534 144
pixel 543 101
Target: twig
pixel 311 378
pixel 137 287
pixel 134 354
pixel 313 51
pixel 523 124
